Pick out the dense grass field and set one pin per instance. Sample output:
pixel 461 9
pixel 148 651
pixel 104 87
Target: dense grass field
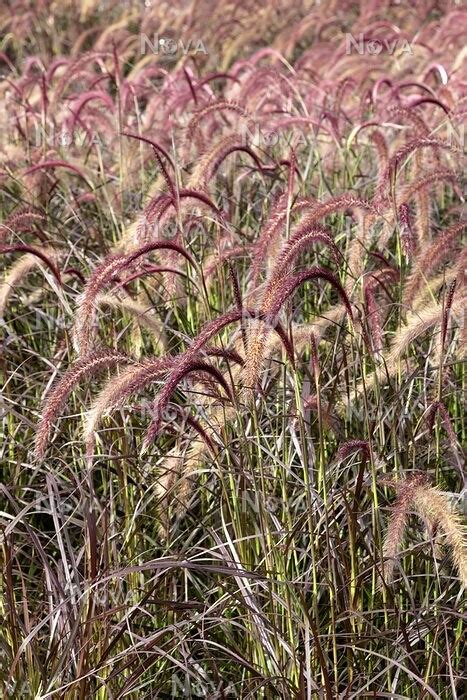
pixel 233 324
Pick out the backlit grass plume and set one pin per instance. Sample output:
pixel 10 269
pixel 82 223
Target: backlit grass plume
pixel 415 494
pixel 278 290
pixel 87 366
pixel 101 277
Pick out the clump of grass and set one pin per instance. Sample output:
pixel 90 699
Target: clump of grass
pixel 434 508
pixel 252 318
pixel 87 366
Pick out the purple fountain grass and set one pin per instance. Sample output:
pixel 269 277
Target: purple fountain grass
pixel 18 271
pixel 211 329
pixel 267 241
pixel 181 370
pixel 102 276
pixel 79 104
pixel 217 76
pixel 224 353
pixel 86 367
pixel 281 271
pixel 338 203
pixel 233 148
pixel 435 508
pixel 438 407
pixel 209 164
pixel 118 389
pixel 161 203
pixel 415 493
pixel 22 248
pixel 158 150
pixel 185 417
pixel 382 150
pixel 23 221
pixel 305 236
pixel 371 283
pixel 420 128
pixel 398 522
pixel 314 358
pixel 151 215
pixel 390 172
pixel 314 403
pixel 279 290
pixel 238 298
pixel 430 100
pixel 190 361
pixel 75 273
pixel 447 310
pixel 428 259
pixel 225 256
pixel 149 270
pixel 74 68
pixel 190 85
pixel 287 286
pixel 193 132
pixel 374 320
pixel 57 163
pixel 352 446
pixel 408 240
pixel 427 179
pixel 138 378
